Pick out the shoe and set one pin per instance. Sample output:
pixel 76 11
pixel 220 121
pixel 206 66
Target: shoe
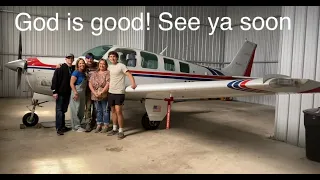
pixel 81 129
pixel 59 132
pixel 66 129
pixel 88 128
pixel 98 129
pixel 121 135
pixel 111 133
pixel 104 130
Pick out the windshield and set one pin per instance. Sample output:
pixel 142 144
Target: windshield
pixel 98 51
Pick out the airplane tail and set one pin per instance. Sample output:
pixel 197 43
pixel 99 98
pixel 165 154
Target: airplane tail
pixel 241 64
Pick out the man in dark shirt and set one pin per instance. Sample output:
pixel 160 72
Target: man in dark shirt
pixel 62 91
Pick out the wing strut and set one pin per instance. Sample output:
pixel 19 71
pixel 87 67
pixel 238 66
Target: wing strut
pixel 168 110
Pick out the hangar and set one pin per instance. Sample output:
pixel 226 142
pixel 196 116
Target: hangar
pixel 288 51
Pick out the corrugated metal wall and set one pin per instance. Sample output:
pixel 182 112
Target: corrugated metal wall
pixel 47 43
pixel 266 56
pixel 196 46
pixel 132 38
pixel 299 57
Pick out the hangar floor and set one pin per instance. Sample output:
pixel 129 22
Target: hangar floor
pixel 205 137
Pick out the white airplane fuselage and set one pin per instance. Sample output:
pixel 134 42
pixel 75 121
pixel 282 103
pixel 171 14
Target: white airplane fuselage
pixel 40 70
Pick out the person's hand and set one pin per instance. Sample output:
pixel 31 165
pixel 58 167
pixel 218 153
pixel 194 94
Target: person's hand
pixel 75 97
pixel 55 96
pixel 133 86
pixel 96 94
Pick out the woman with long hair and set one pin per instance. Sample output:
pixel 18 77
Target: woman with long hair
pixel 78 85
pixel 99 86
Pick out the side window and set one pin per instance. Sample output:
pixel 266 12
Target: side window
pixel 149 60
pixel 127 57
pixel 168 64
pixel 184 67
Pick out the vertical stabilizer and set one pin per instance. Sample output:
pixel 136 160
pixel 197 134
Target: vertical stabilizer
pixel 242 63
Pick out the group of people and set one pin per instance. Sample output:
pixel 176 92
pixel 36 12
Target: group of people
pixel 91 90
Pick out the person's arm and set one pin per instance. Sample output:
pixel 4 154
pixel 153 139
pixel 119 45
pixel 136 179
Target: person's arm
pixel 55 83
pixel 92 89
pixel 106 87
pixel 125 70
pixel 91 86
pixel 72 82
pixel 131 78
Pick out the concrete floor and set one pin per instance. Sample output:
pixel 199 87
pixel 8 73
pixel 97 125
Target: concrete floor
pixel 205 137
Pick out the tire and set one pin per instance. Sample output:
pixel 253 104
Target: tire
pixel 30 122
pixel 149 125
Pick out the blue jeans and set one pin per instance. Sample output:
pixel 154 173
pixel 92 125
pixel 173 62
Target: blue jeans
pixel 62 104
pixel 103 114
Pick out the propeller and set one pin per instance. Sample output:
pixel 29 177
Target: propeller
pixel 19 69
pixel 19 65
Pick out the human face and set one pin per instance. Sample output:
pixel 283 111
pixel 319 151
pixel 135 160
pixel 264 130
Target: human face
pixel 102 66
pixel 113 59
pixel 69 60
pixel 89 61
pixel 81 65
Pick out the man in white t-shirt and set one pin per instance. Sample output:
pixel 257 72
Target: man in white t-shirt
pixel 116 96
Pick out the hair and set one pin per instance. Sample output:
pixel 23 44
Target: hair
pixel 105 61
pixel 78 61
pixel 113 53
pixel 89 54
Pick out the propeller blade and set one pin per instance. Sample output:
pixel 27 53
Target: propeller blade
pixel 19 71
pixel 20 47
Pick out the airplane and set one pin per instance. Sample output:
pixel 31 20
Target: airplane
pixel 162 80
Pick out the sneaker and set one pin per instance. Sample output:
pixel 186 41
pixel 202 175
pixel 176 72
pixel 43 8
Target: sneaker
pixel 59 132
pixel 98 129
pixel 81 130
pixel 66 129
pixel 111 133
pixel 120 135
pixel 104 130
pixel 88 128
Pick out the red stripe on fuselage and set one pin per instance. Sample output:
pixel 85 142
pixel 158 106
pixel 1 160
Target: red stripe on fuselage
pixel 37 62
pixel 312 90
pixel 183 75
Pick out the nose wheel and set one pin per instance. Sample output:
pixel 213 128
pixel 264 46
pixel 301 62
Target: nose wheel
pixel 31 118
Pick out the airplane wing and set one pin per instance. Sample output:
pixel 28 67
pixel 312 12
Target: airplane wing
pixel 271 84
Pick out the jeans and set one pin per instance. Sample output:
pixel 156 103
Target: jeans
pixel 103 112
pixel 62 104
pixel 90 116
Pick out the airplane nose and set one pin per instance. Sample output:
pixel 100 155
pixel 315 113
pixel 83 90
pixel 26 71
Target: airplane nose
pixel 14 65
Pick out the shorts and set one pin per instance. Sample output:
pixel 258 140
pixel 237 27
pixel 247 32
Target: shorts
pixel 115 99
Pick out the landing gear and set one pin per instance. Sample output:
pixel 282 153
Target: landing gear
pixel 149 125
pixel 31 118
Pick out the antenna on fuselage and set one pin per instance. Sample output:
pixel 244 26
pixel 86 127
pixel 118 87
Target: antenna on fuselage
pixel 163 50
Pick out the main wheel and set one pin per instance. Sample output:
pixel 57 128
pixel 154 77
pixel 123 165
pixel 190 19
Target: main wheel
pixel 149 125
pixel 28 121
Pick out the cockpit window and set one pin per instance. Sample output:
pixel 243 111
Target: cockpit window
pixel 98 52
